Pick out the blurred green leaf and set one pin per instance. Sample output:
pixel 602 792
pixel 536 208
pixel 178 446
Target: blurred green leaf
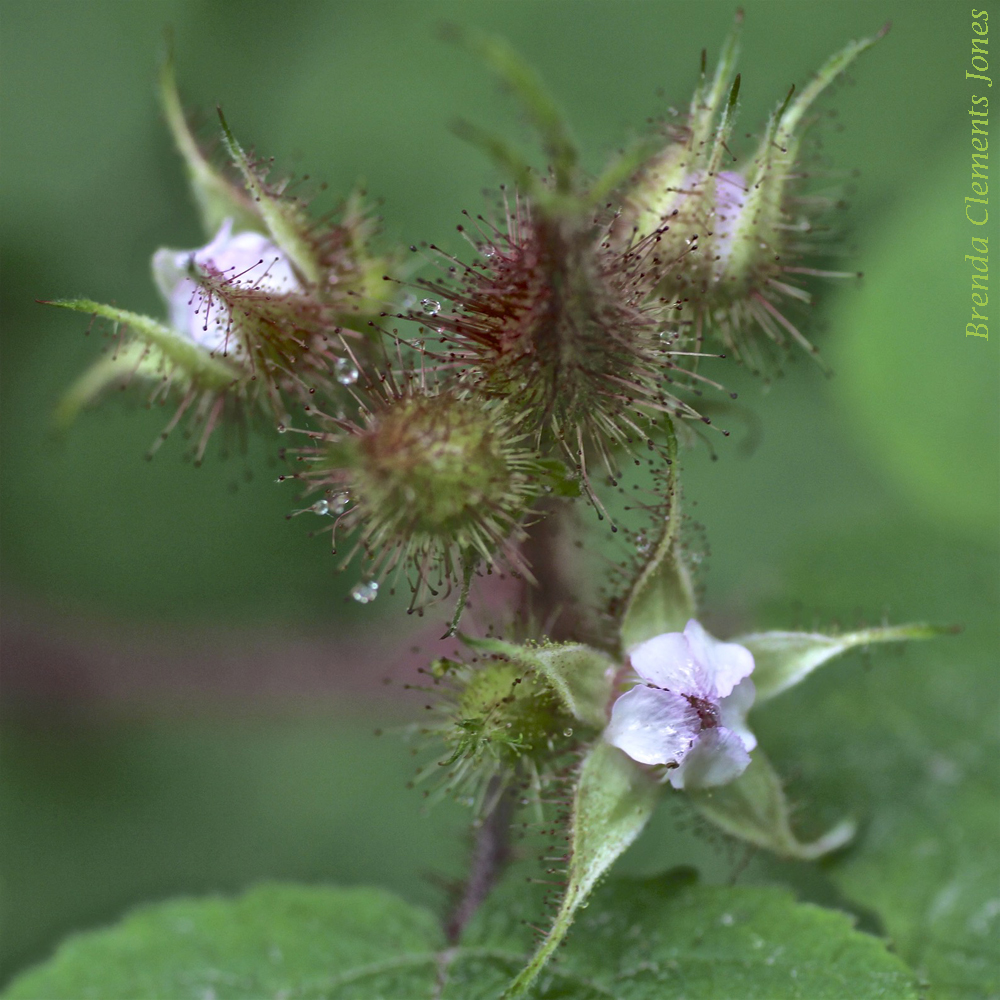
pixel 646 941
pixel 920 395
pixel 908 744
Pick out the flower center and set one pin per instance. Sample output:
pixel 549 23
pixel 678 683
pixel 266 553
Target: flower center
pixel 708 712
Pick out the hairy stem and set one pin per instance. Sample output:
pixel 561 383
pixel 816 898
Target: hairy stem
pixel 554 608
pixel 549 608
pixel 490 855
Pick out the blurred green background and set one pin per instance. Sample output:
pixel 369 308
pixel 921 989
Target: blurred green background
pixel 189 703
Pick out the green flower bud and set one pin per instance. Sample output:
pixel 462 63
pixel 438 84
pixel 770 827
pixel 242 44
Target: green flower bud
pixel 505 718
pixel 434 483
pixel 733 242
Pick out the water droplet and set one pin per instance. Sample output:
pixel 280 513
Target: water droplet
pixel 281 428
pixel 642 543
pixel 567 732
pixel 489 251
pixel 321 507
pixel 365 592
pixel 346 371
pixel 339 502
pixel 431 306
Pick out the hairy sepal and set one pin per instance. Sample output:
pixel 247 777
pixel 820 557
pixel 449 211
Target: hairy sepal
pixel 215 195
pixel 662 597
pixel 612 802
pixel 580 676
pixel 783 659
pixel 156 349
pixel 285 220
pixel 753 808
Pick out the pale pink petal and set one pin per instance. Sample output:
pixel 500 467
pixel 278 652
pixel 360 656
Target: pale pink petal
pixel 727 663
pixel 669 661
pixel 717 757
pixel 248 259
pixel 651 726
pixel 733 712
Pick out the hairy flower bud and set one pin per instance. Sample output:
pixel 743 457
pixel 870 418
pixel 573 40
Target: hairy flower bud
pixel 259 317
pixel 555 320
pixel 247 262
pixel 733 240
pixel 435 483
pixel 500 718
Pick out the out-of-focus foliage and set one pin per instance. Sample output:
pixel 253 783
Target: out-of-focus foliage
pixel 354 944
pixel 865 495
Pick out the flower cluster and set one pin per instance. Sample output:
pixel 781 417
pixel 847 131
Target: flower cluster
pixel 565 350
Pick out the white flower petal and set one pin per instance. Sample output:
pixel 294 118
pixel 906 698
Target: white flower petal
pixel 669 661
pixel 727 663
pixel 733 712
pixel 651 726
pixel 249 259
pixel 717 757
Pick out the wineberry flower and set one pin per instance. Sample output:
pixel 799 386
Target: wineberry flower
pixel 689 710
pixel 248 260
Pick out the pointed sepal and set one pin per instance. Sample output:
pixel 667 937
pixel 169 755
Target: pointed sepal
pixel 192 359
pixel 612 803
pixel 285 219
pixel 581 677
pixel 215 195
pixel 783 659
pixel 128 361
pixel 537 103
pixel 662 597
pixel 753 808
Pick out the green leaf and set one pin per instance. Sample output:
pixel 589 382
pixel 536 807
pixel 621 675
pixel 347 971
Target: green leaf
pixel 667 937
pixel 613 801
pixel 284 219
pixel 581 676
pixel 335 943
pixel 754 808
pixel 915 741
pixel 783 659
pixel 638 941
pixel 662 597
pixel 216 196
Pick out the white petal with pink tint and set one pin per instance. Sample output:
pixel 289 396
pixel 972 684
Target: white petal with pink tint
pixel 247 259
pixel 717 757
pixel 726 662
pixel 689 709
pixel 652 726
pixel 668 661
